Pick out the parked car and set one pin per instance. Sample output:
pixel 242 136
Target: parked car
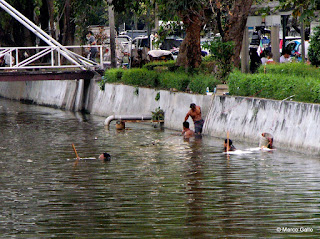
pixel 140 42
pixel 125 42
pixel 156 55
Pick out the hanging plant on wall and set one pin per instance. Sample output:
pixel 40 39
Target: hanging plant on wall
pixel 158 114
pixel 157 96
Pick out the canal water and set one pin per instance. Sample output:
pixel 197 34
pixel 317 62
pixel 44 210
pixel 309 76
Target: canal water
pixel 156 185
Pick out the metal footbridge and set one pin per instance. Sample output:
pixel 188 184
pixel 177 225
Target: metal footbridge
pixel 52 62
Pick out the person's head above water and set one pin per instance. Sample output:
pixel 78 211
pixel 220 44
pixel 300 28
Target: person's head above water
pixel 226 141
pixel 105 157
pixel 186 124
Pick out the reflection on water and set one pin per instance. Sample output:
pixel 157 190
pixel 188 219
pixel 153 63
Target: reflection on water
pixel 157 185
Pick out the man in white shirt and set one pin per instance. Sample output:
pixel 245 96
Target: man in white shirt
pixel 285 58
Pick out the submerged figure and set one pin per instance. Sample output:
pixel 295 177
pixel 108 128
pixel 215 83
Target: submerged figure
pixel 229 147
pixel 105 157
pixel 195 113
pixel 187 132
pixel 266 141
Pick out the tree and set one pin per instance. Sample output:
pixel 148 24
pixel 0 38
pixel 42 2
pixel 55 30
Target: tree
pixel 314 48
pixel 231 18
pixel 193 14
pixel 67 15
pixel 306 9
pixel 13 33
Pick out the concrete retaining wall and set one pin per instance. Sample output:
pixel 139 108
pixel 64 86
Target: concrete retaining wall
pixel 128 100
pixel 61 94
pixel 115 99
pixel 294 125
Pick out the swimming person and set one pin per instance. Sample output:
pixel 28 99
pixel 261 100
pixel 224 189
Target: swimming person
pixel 230 147
pixel 187 132
pixel 266 141
pixel 195 113
pixel 105 157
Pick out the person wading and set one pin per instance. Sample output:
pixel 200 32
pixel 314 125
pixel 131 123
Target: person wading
pixel 195 113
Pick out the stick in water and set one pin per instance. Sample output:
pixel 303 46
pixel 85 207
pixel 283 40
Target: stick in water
pixel 227 141
pixel 75 151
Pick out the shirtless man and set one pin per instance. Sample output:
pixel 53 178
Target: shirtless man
pixel 266 141
pixel 187 133
pixel 195 113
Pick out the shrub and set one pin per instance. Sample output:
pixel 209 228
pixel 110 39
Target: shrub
pixel 296 69
pixel 199 83
pixel 221 52
pixel 170 65
pixel 275 86
pixel 140 77
pixel 113 75
pixel 160 78
pixel 314 47
pixel 177 80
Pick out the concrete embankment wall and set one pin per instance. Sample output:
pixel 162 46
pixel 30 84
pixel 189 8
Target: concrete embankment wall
pixel 128 100
pixel 62 94
pixel 115 99
pixel 294 125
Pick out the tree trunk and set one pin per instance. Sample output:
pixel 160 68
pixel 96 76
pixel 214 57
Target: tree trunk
pixel 68 26
pixel 190 52
pixel 236 25
pixel 51 18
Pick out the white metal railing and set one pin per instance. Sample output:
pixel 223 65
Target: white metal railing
pixel 48 57
pixel 53 46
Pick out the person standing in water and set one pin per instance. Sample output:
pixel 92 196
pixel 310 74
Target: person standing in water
pixel 195 113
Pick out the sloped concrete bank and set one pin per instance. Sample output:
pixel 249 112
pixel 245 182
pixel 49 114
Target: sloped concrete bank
pixel 294 125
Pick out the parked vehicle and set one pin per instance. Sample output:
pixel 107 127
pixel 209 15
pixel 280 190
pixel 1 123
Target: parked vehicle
pixel 156 55
pixel 125 42
pixel 140 42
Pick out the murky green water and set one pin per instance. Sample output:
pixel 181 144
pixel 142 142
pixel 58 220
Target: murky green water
pixel 156 186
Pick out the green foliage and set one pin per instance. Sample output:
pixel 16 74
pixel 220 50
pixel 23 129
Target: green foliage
pixel 158 114
pixel 180 80
pixel 140 77
pixel 86 13
pixel 157 98
pixel 314 48
pixel 170 65
pixel 305 9
pixel 177 80
pixel 199 83
pixel 113 75
pixel 279 83
pixel 221 53
pixel 297 69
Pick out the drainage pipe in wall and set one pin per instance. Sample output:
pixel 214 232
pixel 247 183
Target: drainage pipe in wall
pixel 126 117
